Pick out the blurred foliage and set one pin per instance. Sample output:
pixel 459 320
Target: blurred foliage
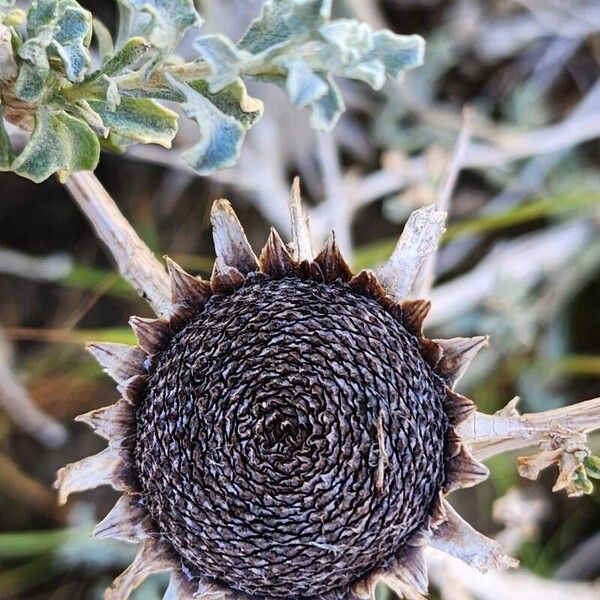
pixel 550 357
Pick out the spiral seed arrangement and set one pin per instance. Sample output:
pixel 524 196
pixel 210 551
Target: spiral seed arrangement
pixel 287 432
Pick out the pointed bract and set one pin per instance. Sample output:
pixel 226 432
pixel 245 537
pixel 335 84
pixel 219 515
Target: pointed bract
pixel 456 354
pixel 300 231
pixel 231 244
pixel 128 521
pixel 464 471
pixel 309 269
pixel 113 423
pixel 458 407
pixel 332 263
pixel 120 361
pixel 414 313
pixel 458 538
pixel 225 279
pixel 185 288
pixel 367 284
pixel 401 588
pixel 152 557
pixel 105 468
pixel 152 334
pixel 180 588
pixel 275 260
pixel 412 569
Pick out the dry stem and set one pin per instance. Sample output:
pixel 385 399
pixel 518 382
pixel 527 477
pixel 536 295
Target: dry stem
pixel 134 259
pixel 16 401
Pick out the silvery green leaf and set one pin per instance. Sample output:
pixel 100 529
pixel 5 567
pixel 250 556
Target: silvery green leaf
pixel 6 152
pixel 222 120
pixel 398 52
pixel 92 118
pixel 371 72
pixel 283 20
pixel 30 84
pixel 6 3
pixel 126 57
pixel 303 86
pixel 164 22
pixel 325 112
pixel 113 98
pixel 138 119
pixel 223 59
pixel 82 149
pixel 42 14
pixel 59 143
pixel 233 101
pixel 71 38
pixel 106 47
pixel 352 38
pixel 34 51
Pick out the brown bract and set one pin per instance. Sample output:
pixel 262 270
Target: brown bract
pixel 286 431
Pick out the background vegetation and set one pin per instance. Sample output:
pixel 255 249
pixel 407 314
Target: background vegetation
pixel 520 259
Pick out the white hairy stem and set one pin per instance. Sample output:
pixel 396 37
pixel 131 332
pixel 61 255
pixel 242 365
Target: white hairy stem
pixel 135 261
pixel 488 435
pixel 419 239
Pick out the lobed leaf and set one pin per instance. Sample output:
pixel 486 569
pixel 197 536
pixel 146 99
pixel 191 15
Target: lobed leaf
pixel 30 83
pixel 138 120
pixel 222 120
pixel 223 58
pixel 71 38
pixel 163 22
pixel 282 21
pixel 326 111
pixel 59 143
pixel 125 58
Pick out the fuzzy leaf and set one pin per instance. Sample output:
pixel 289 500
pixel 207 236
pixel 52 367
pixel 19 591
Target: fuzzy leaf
pixel 163 22
pixel 81 144
pixel 302 85
pixel 72 38
pixel 326 111
pixel 126 57
pixel 592 466
pixel 30 84
pixel 6 152
pixel 41 15
pixel 6 3
pixel 398 52
pixel 283 20
pixel 223 58
pixel 59 143
pixel 138 119
pixel 222 121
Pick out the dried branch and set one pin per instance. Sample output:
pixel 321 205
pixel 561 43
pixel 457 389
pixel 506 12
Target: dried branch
pixel 488 435
pixel 16 401
pixel 419 239
pixel 424 283
pixel 27 491
pixel 134 259
pixel 45 268
pixel 338 213
pixel 560 433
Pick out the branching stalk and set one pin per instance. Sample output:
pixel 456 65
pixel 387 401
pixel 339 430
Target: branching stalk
pixel 135 261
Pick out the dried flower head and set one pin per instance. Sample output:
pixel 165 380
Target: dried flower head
pixel 287 431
